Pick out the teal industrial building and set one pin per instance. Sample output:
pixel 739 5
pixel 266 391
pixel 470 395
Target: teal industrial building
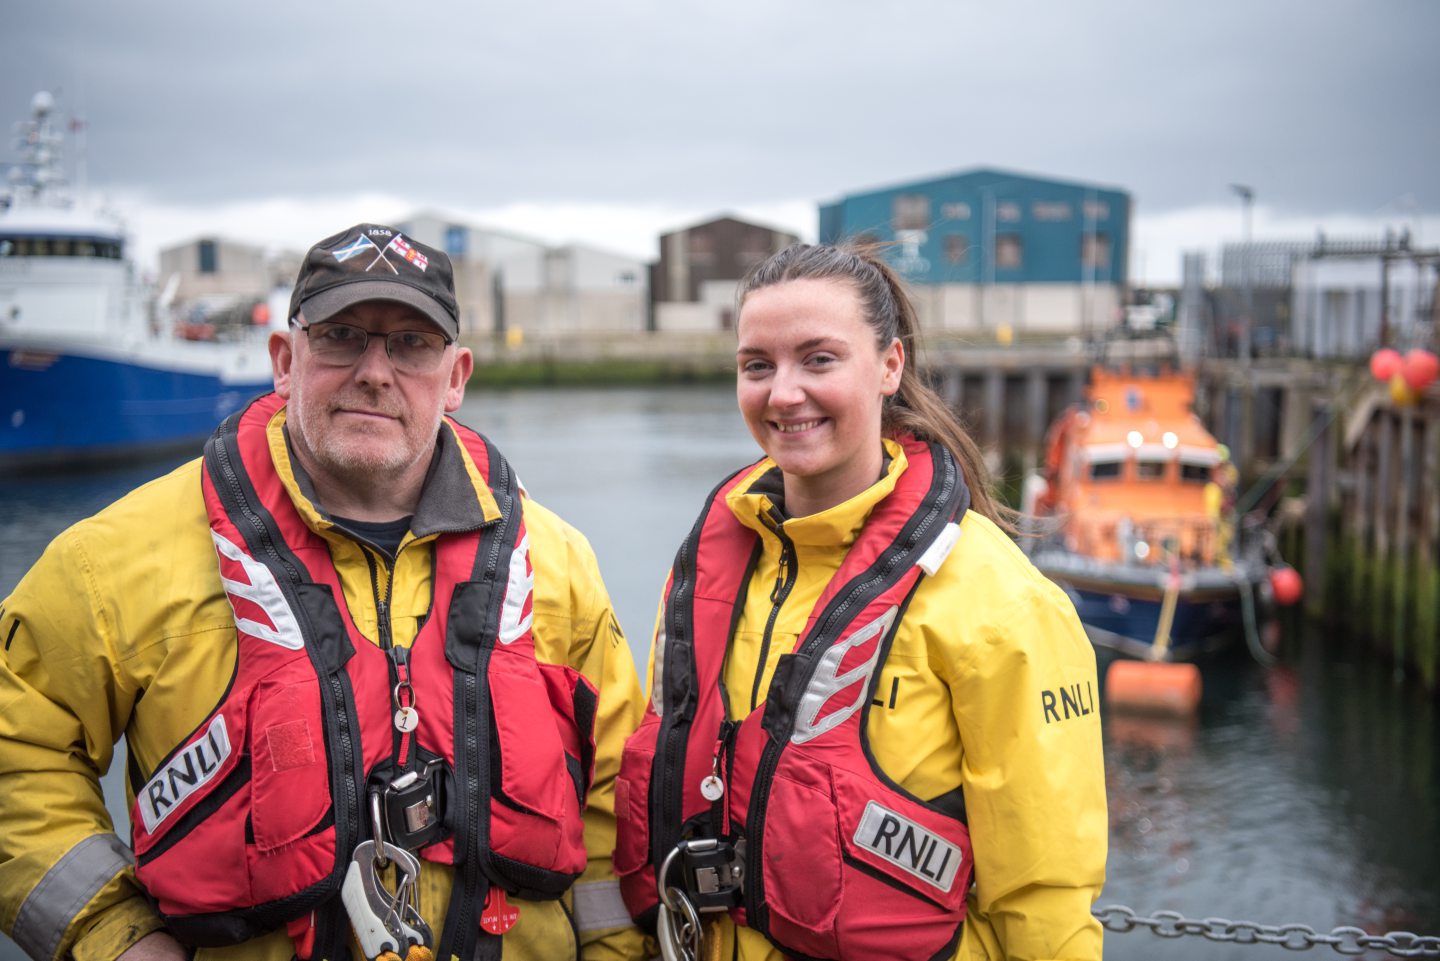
pixel 988 249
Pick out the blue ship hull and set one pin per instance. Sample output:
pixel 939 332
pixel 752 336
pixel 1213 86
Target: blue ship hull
pixel 1128 624
pixel 63 410
pixel 1121 605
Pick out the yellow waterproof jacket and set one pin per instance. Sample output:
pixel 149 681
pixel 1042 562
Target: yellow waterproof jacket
pixel 977 692
pixel 122 628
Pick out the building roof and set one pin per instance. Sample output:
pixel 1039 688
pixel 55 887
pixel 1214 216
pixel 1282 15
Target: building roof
pixel 728 218
pixel 982 176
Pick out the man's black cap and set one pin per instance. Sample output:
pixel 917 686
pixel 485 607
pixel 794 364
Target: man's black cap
pixel 374 262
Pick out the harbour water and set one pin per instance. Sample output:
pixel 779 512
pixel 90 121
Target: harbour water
pixel 1308 793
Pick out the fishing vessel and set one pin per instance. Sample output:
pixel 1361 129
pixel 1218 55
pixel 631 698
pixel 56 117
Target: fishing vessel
pixel 89 369
pixel 1135 515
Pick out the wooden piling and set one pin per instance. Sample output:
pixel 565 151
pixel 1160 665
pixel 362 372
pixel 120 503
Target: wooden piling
pixel 1318 510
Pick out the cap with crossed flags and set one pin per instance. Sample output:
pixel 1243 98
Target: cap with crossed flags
pixel 375 262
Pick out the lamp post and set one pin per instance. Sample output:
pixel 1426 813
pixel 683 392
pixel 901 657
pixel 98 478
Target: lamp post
pixel 1247 202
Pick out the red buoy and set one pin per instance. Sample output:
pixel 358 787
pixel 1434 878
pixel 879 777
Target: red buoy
pixel 1419 368
pixel 1384 364
pixel 1286 584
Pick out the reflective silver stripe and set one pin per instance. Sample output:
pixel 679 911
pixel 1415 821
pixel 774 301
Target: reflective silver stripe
pixel 64 890
pixel 598 906
pixel 826 682
pixel 657 676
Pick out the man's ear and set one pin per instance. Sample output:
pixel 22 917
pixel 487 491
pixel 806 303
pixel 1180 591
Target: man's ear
pixel 282 358
pixel 460 371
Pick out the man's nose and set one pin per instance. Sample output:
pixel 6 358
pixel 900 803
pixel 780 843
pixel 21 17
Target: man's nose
pixel 374 362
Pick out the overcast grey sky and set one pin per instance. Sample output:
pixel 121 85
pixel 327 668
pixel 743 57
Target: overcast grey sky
pixel 610 122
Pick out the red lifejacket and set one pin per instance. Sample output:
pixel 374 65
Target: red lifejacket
pixel 840 862
pixel 251 822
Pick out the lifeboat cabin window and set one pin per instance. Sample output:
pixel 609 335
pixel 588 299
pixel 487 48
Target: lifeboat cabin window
pixel 1105 470
pixel 17 245
pixel 1150 469
pixel 1195 473
pixel 1197 464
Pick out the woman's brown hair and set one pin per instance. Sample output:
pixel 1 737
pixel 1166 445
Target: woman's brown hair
pixel 915 408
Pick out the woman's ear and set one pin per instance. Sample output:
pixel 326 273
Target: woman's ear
pixel 893 361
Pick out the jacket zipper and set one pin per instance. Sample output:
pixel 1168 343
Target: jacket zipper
pixel 674 735
pixel 474 702
pixel 785 579
pixel 477 697
pixel 382 602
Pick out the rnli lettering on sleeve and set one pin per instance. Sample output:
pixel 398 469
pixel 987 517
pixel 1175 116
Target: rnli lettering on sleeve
pixel 1074 700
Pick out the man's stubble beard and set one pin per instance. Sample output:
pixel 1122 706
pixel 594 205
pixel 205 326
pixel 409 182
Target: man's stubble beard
pixel 355 459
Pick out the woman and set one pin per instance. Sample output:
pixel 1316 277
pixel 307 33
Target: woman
pixel 872 731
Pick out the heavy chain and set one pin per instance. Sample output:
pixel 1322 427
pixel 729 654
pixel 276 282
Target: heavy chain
pixel 1291 937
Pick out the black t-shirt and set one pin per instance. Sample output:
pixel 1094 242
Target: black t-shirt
pixel 385 535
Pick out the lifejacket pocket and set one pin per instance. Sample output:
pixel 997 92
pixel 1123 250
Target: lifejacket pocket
pixel 290 799
pixel 802 869
pixel 242 807
pixel 289 783
pixel 575 701
pixel 917 850
pixel 543 719
pixel 189 847
pixel 632 817
pixel 855 869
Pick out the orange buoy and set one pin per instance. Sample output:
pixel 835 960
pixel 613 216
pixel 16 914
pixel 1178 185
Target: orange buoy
pixel 1152 687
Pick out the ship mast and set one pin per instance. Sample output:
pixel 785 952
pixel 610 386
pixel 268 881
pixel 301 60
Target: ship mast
pixel 38 177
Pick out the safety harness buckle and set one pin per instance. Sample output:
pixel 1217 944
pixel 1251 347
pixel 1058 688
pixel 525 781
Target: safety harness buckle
pixel 708 872
pixel 711 872
pixel 408 810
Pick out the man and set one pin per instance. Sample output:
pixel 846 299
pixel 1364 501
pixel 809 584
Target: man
pixel 363 680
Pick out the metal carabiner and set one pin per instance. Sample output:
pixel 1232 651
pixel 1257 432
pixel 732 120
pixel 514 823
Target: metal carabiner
pixel 682 939
pixel 383 921
pixel 679 929
pixel 377 827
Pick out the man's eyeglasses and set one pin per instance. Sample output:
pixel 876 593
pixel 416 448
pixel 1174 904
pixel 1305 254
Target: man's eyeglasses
pixel 339 345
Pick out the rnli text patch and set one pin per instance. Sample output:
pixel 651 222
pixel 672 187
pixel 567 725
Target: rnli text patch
pixel 908 846
pixel 186 773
